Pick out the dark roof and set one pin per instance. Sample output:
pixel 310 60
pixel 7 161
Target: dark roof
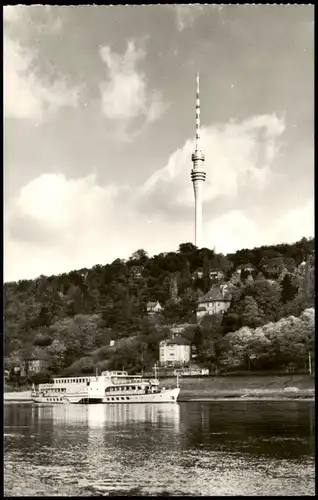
pixel 216 295
pixel 177 340
pixel 246 266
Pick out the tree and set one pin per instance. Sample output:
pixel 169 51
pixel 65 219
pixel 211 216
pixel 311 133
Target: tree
pixel 185 248
pixel 197 337
pixel 289 291
pixel 206 273
pixel 251 315
pixel 267 297
pixel 173 287
pixel 140 257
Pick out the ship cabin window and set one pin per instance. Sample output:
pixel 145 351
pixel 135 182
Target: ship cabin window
pixel 123 399
pixel 127 399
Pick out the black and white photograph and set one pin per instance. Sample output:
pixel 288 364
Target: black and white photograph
pixel 159 250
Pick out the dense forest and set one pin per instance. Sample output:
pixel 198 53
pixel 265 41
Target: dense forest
pixel 69 320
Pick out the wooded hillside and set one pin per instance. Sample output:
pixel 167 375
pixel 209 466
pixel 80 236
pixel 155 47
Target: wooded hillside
pixel 70 319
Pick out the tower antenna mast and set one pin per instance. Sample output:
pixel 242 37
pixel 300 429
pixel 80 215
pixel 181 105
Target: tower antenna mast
pixel 198 175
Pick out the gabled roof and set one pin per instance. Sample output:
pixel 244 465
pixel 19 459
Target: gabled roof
pixel 246 266
pixel 152 303
pixel 213 294
pixel 216 295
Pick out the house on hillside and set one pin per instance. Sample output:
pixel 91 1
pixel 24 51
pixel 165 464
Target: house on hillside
pixel 246 268
pixel 174 351
pixel 217 300
pixel 216 274
pixel 197 275
pixel 135 272
pixel 276 265
pixel 154 308
pixel 31 366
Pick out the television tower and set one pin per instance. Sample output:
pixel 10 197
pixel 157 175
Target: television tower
pixel 197 172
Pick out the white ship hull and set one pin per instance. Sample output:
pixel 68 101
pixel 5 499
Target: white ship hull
pixel 67 400
pixel 166 396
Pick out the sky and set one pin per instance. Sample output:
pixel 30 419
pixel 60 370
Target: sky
pixel 99 127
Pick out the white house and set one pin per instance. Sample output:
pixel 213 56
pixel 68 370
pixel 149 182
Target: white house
pixel 154 308
pixel 217 300
pixel 246 267
pixel 174 351
pixel 216 274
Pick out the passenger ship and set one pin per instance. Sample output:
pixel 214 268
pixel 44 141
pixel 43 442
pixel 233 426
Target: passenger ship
pixel 109 387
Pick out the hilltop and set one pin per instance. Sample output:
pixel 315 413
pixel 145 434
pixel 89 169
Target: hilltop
pixel 98 317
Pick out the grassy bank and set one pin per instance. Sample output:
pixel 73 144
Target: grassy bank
pixel 17 396
pixel 284 386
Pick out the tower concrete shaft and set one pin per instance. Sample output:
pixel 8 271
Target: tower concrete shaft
pixel 197 173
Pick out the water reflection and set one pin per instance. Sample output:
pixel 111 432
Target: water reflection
pixel 208 449
pixel 260 428
pixel 126 414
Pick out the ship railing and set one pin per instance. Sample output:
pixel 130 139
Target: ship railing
pixel 46 386
pixel 129 381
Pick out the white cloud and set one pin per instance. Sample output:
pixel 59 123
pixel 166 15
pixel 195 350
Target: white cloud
pixel 186 15
pixel 236 230
pixel 58 224
pixel 230 232
pixel 26 94
pixel 296 223
pixel 237 154
pixel 12 13
pixel 86 224
pixel 125 94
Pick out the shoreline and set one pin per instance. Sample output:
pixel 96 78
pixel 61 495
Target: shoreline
pixel 230 388
pixel 201 398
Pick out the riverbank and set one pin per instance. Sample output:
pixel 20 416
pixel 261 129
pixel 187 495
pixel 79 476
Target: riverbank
pixel 274 388
pixel 17 396
pixel 283 387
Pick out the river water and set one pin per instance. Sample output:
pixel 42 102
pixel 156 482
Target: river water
pixel 218 448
